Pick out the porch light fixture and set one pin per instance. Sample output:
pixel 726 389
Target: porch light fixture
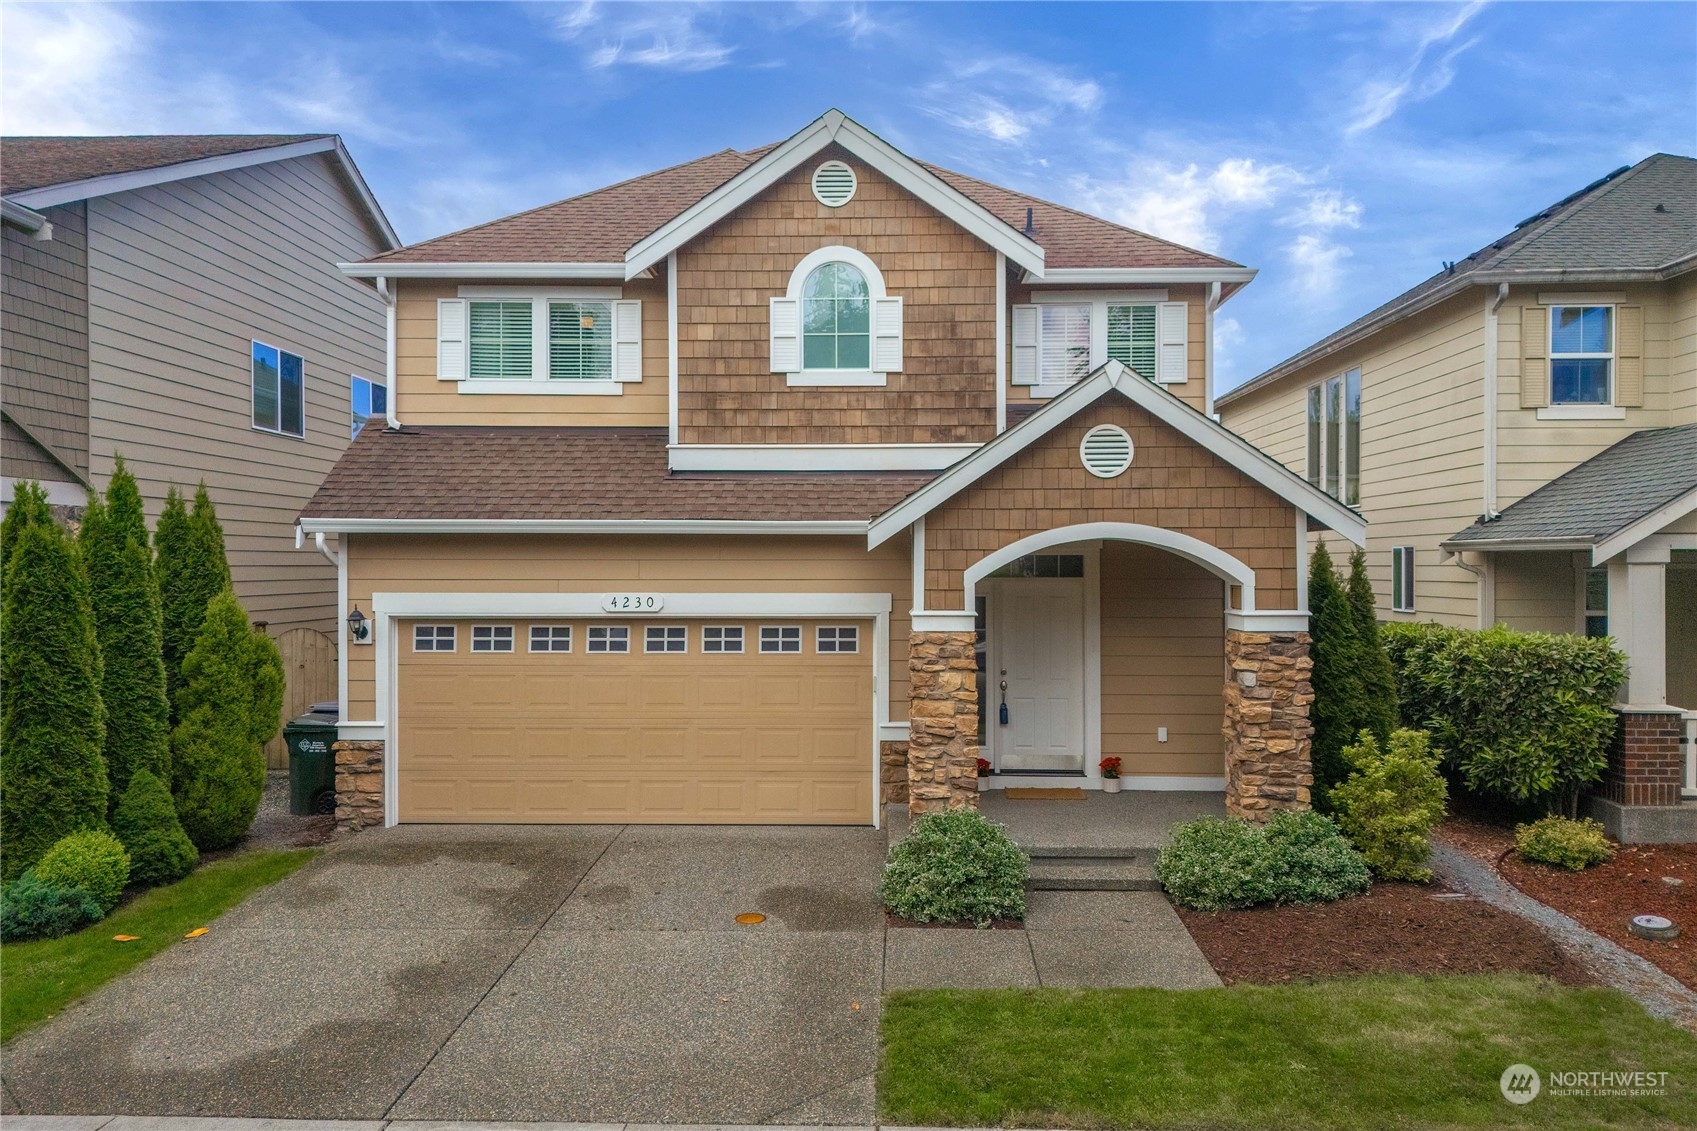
pixel 359 627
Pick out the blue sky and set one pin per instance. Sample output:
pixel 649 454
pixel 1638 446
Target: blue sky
pixel 1343 149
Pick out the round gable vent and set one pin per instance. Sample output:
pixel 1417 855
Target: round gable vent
pixel 833 184
pixel 1106 450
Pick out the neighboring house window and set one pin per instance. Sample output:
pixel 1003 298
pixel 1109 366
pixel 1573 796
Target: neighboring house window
pixel 562 341
pixel 1581 355
pixel 491 638
pixel 780 638
pixel 368 400
pixel 550 638
pixel 1596 602
pixel 1058 340
pixel 279 391
pixel 1334 436
pixel 836 319
pixel 1402 579
pixel 433 638
pixel 838 638
pixel 835 324
pixel 721 638
pixel 666 638
pixel 609 638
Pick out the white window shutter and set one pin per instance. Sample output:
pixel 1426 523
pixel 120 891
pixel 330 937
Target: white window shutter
pixel 887 335
pixel 1026 324
pixel 450 339
pixel 786 335
pixel 1172 359
pixel 627 340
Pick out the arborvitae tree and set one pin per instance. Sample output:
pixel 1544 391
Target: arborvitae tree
pixel 192 570
pixel 52 723
pixel 146 822
pixel 217 768
pixel 1336 677
pixel 125 592
pixel 208 540
pixel 265 676
pixel 1378 678
pixel 29 506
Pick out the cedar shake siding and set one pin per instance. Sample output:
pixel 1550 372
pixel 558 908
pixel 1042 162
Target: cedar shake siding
pixel 44 349
pixel 946 391
pixel 1172 483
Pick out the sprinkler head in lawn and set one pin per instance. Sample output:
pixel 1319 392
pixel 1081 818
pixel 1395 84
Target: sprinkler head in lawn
pixel 1653 927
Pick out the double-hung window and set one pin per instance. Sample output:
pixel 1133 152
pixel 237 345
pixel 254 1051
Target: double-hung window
pixel 1062 338
pixel 556 340
pixel 1582 355
pixel 368 401
pixel 279 390
pixel 1596 598
pixel 1402 579
pixel 1334 436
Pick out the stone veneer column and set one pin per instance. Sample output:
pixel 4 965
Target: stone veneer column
pixel 1644 760
pixel 359 785
pixel 1267 730
pixel 942 750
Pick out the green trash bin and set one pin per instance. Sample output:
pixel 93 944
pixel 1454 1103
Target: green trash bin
pixel 312 763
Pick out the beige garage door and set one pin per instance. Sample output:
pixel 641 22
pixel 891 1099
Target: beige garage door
pixel 590 721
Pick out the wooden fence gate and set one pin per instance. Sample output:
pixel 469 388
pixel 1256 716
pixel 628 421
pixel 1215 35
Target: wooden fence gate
pixel 309 676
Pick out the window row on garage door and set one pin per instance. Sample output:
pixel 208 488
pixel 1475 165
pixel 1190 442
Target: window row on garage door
pixel 614 639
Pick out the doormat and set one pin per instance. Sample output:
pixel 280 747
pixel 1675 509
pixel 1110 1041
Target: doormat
pixel 1024 793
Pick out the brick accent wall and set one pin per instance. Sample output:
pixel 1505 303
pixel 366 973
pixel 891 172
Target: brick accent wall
pixel 892 779
pixel 1172 483
pixel 1644 762
pixel 942 764
pixel 1267 731
pixel 359 785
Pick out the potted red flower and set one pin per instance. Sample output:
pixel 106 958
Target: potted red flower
pixel 1110 775
pixel 983 774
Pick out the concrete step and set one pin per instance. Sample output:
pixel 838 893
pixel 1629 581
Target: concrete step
pixel 1076 852
pixel 1093 874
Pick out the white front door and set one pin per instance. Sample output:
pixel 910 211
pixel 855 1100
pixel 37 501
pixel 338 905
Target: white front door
pixel 1037 654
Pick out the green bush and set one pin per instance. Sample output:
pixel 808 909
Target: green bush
pixel 265 677
pixel 956 867
pixel 1354 689
pixel 29 508
pixel 192 570
pixel 93 860
pixel 1522 716
pixel 31 908
pixel 1564 842
pixel 1378 680
pixel 1391 802
pixel 52 722
pixel 146 822
pixel 217 767
pixel 1215 864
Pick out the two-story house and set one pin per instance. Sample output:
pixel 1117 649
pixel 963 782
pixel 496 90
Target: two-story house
pixel 175 300
pixel 773 484
pixel 1521 431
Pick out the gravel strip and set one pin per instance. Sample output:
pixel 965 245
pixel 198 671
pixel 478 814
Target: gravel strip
pixel 1659 993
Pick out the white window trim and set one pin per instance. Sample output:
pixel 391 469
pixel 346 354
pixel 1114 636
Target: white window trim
pixel 1318 477
pixel 1575 410
pixel 1098 302
pixel 875 290
pixel 1583 411
pixel 838 650
pixel 277 431
pixel 538 383
pixel 494 639
pixel 610 637
pixel 648 631
pixel 551 650
pixel 760 638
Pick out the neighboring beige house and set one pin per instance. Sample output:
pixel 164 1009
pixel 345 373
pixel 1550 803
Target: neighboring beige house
pixel 1521 432
pixel 782 483
pixel 175 300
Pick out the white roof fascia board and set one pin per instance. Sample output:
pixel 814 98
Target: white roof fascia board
pixel 378 269
pixel 1102 275
pixel 356 180
pixel 832 126
pixel 1160 404
pixel 1511 545
pixel 574 526
pixel 1652 523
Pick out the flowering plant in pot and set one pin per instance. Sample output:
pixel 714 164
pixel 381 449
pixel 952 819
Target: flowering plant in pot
pixel 1110 775
pixel 984 772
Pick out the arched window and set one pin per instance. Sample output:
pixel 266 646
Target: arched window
pixel 836 319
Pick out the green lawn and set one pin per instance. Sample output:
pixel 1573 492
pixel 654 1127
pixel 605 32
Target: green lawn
pixel 38 979
pixel 1395 1052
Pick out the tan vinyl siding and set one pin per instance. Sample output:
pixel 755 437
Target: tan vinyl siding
pixel 424 400
pixel 44 347
pixel 1682 350
pixel 1538 592
pixel 573 564
pixel 182 277
pixel 1163 652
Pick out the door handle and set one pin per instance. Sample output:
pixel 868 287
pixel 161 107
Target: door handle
pixel 1002 716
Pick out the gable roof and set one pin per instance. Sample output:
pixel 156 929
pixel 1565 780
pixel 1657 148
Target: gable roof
pixel 1639 223
pixel 597 229
pixel 1641 477
pixel 39 172
pixel 1164 407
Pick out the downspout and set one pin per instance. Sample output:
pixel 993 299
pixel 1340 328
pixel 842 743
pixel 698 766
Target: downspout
pixel 387 294
pixel 1492 306
pixel 1208 307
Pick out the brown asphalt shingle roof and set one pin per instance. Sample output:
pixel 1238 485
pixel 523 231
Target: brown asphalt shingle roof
pixel 577 473
pixel 36 162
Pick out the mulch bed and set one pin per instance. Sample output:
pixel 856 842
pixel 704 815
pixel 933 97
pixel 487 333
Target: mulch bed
pixel 1394 929
pixel 891 919
pixel 1606 896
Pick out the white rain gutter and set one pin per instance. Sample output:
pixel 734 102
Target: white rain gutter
pixel 330 555
pixel 389 297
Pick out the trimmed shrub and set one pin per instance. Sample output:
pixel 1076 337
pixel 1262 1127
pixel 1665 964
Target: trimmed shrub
pixel 1336 676
pixel 92 860
pixel 29 508
pixel 1378 681
pixel 1522 716
pixel 52 722
pixel 146 822
pixel 30 908
pixel 1391 802
pixel 956 867
pixel 1564 842
pixel 265 676
pixel 125 594
pixel 192 570
pixel 1216 864
pixel 217 769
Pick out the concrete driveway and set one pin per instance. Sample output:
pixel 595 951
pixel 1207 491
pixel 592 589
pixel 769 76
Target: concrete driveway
pixel 581 973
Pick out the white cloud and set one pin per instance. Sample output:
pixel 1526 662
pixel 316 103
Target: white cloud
pixel 67 70
pixel 1416 80
pixel 1316 263
pixel 1006 98
pixel 1228 336
pixel 1326 210
pixel 1188 205
pixel 661 36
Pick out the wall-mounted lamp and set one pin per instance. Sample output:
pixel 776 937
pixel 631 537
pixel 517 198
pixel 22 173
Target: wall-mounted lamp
pixel 359 627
